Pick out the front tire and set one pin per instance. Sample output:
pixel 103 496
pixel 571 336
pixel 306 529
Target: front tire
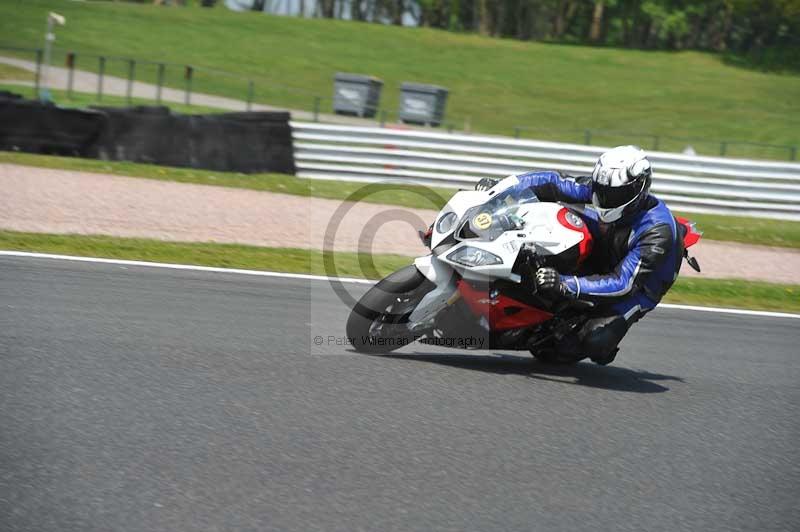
pixel 379 323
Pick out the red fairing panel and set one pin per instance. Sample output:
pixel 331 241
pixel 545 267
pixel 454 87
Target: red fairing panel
pixel 573 221
pixel 692 233
pixel 503 313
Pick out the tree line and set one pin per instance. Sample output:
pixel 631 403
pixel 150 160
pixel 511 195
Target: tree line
pixel 761 32
pixel 739 26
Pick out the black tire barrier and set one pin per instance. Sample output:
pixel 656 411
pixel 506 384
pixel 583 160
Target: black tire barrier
pixel 232 142
pixel 36 127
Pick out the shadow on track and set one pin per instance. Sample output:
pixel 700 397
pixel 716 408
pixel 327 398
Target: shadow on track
pixel 581 374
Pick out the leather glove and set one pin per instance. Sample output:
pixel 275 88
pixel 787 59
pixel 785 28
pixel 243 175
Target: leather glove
pixel 548 282
pixel 486 183
pixel 528 268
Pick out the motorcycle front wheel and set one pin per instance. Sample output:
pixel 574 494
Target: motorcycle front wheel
pixel 379 321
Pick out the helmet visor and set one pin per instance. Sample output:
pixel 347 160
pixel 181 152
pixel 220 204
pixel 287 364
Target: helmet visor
pixel 608 197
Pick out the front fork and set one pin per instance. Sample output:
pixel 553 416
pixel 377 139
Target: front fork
pixel 445 294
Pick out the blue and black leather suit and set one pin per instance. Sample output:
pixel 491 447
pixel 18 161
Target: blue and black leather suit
pixel 634 262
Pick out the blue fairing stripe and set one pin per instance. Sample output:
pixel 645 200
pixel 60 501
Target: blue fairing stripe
pixel 575 192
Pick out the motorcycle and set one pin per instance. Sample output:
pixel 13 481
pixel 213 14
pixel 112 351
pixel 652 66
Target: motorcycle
pixel 470 292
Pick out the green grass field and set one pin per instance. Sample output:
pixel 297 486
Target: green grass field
pixel 495 84
pixel 15 73
pixel 205 254
pixel 709 292
pixel 82 100
pixel 729 228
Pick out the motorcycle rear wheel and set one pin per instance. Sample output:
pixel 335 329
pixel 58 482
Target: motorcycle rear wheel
pixel 379 323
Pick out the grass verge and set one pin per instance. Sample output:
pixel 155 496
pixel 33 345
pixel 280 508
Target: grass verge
pixel 288 260
pixel 735 293
pixel 707 292
pixel 15 73
pixel 725 228
pixel 747 230
pixel 81 100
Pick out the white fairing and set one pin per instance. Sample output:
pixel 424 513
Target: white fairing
pixel 458 204
pixel 541 230
pixel 437 272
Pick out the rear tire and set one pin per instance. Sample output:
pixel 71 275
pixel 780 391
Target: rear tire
pixel 378 323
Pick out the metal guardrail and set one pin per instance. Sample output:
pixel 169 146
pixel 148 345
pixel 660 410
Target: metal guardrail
pixel 659 142
pixel 689 183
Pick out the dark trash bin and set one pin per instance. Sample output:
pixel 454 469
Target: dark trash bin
pixel 422 104
pixel 356 94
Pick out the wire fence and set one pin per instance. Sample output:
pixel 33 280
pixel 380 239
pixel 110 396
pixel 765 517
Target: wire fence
pixel 87 78
pixel 83 78
pixel 125 80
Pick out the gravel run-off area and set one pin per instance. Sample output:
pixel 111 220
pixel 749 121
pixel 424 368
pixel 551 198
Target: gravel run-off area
pixel 62 201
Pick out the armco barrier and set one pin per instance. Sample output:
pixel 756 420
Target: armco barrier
pixel 691 183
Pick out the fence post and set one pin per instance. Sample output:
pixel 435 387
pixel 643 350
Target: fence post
pixel 131 74
pixel 723 147
pixel 587 137
pixel 37 81
pixel 101 70
pixel 516 132
pixel 383 117
pixel 70 73
pixel 250 91
pixel 656 142
pixel 159 82
pixel 792 153
pixel 316 108
pixel 188 76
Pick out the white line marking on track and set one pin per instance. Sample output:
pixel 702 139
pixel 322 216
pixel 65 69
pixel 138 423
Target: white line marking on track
pixel 192 267
pixel 729 311
pixel 171 266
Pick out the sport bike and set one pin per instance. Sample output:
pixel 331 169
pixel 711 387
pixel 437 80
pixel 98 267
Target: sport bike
pixel 470 292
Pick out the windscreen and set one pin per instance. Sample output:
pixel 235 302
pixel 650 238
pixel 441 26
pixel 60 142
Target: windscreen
pixel 496 216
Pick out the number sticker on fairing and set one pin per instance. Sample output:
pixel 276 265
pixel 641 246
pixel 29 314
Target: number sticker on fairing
pixel 483 221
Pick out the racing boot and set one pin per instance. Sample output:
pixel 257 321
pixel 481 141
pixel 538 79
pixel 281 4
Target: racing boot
pixel 605 360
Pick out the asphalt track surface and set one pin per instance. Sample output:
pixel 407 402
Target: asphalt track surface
pixel 135 398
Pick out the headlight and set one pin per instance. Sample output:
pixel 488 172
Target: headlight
pixel 445 223
pixel 574 220
pixel 470 256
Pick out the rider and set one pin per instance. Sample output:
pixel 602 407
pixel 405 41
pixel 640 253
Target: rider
pixel 638 248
